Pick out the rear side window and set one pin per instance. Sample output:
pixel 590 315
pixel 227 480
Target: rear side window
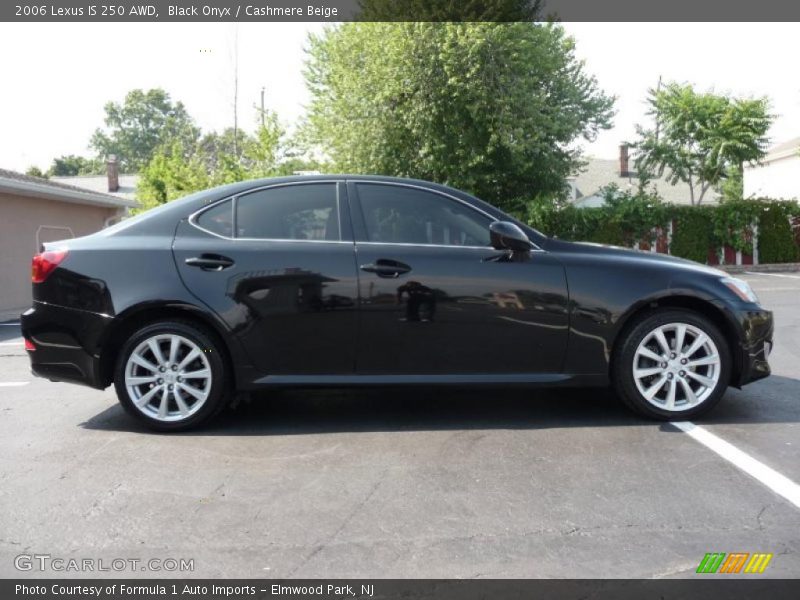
pixel 218 219
pixel 293 212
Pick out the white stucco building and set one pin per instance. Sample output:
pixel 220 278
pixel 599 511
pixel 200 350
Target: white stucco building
pixel 778 175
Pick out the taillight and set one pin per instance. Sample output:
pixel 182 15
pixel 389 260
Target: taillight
pixel 44 263
pixel 29 346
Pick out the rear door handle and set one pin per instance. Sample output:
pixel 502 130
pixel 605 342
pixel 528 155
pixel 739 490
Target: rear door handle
pixel 384 267
pixel 210 262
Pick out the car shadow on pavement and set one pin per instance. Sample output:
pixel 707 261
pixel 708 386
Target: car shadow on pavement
pixel 296 412
pixel 773 400
pixel 9 332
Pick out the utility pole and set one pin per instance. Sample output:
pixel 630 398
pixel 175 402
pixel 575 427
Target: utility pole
pixel 236 92
pixel 262 107
pixel 658 117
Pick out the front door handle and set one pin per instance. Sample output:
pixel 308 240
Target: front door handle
pixel 210 262
pixel 384 267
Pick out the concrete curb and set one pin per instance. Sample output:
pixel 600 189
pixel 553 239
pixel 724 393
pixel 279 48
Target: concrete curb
pixel 772 268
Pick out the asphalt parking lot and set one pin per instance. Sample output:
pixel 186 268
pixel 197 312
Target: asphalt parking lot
pixel 470 483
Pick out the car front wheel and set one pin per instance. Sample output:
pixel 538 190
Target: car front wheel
pixel 171 376
pixel 672 364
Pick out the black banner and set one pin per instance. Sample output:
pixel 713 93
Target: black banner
pixel 399 10
pixel 733 588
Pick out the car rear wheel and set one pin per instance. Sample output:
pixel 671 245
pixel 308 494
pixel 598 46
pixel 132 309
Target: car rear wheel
pixel 672 364
pixel 171 376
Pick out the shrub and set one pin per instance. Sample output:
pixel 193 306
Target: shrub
pixel 608 231
pixel 693 232
pixel 732 223
pixel 776 242
pixel 627 218
pixel 635 215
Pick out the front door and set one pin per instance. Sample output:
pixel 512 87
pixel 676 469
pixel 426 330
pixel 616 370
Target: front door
pixel 277 265
pixel 437 299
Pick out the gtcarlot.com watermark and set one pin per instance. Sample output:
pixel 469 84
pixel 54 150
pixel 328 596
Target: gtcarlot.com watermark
pixel 59 564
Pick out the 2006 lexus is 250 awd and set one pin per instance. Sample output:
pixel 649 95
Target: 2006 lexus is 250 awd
pixel 357 280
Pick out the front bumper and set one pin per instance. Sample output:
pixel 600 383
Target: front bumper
pixel 755 346
pixel 66 343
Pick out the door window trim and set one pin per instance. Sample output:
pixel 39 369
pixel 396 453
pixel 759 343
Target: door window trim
pixel 234 200
pixel 358 212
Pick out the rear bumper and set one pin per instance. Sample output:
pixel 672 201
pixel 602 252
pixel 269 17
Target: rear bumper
pixel 66 343
pixel 756 344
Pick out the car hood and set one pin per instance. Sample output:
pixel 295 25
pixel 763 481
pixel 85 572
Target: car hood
pixel 625 254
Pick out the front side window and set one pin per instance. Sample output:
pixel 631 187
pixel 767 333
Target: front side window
pixel 291 212
pixel 402 215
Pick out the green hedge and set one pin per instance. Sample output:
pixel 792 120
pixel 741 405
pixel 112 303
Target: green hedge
pixel 624 220
pixel 693 232
pixel 627 218
pixel 776 242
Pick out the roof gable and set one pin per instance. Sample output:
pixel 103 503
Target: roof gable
pixel 26 185
pixel 600 172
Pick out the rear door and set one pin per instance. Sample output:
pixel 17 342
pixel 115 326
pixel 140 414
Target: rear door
pixel 437 299
pixel 277 265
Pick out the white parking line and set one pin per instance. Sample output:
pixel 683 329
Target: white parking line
pixel 773 275
pixel 13 383
pixel 778 483
pixel 14 343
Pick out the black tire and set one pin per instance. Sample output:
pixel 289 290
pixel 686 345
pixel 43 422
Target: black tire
pixel 218 389
pixel 622 375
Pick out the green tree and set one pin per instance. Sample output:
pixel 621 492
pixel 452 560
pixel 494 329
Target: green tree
pixel 71 165
pixel 143 122
pixel 447 10
pixel 35 171
pixel 215 147
pixel 732 186
pixel 263 150
pixel 174 171
pixel 701 138
pixel 179 168
pixel 492 108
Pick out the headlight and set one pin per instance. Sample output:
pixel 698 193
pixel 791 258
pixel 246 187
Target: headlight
pixel 741 288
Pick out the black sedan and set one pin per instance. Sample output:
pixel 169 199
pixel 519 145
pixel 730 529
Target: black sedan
pixel 357 280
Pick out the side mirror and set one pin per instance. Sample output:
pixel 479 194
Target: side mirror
pixel 507 236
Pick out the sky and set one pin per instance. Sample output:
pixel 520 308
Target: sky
pixel 57 77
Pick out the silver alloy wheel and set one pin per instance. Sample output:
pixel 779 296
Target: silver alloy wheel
pixel 168 377
pixel 676 367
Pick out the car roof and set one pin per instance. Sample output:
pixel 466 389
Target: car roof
pixel 166 214
pixel 182 207
pixel 251 183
